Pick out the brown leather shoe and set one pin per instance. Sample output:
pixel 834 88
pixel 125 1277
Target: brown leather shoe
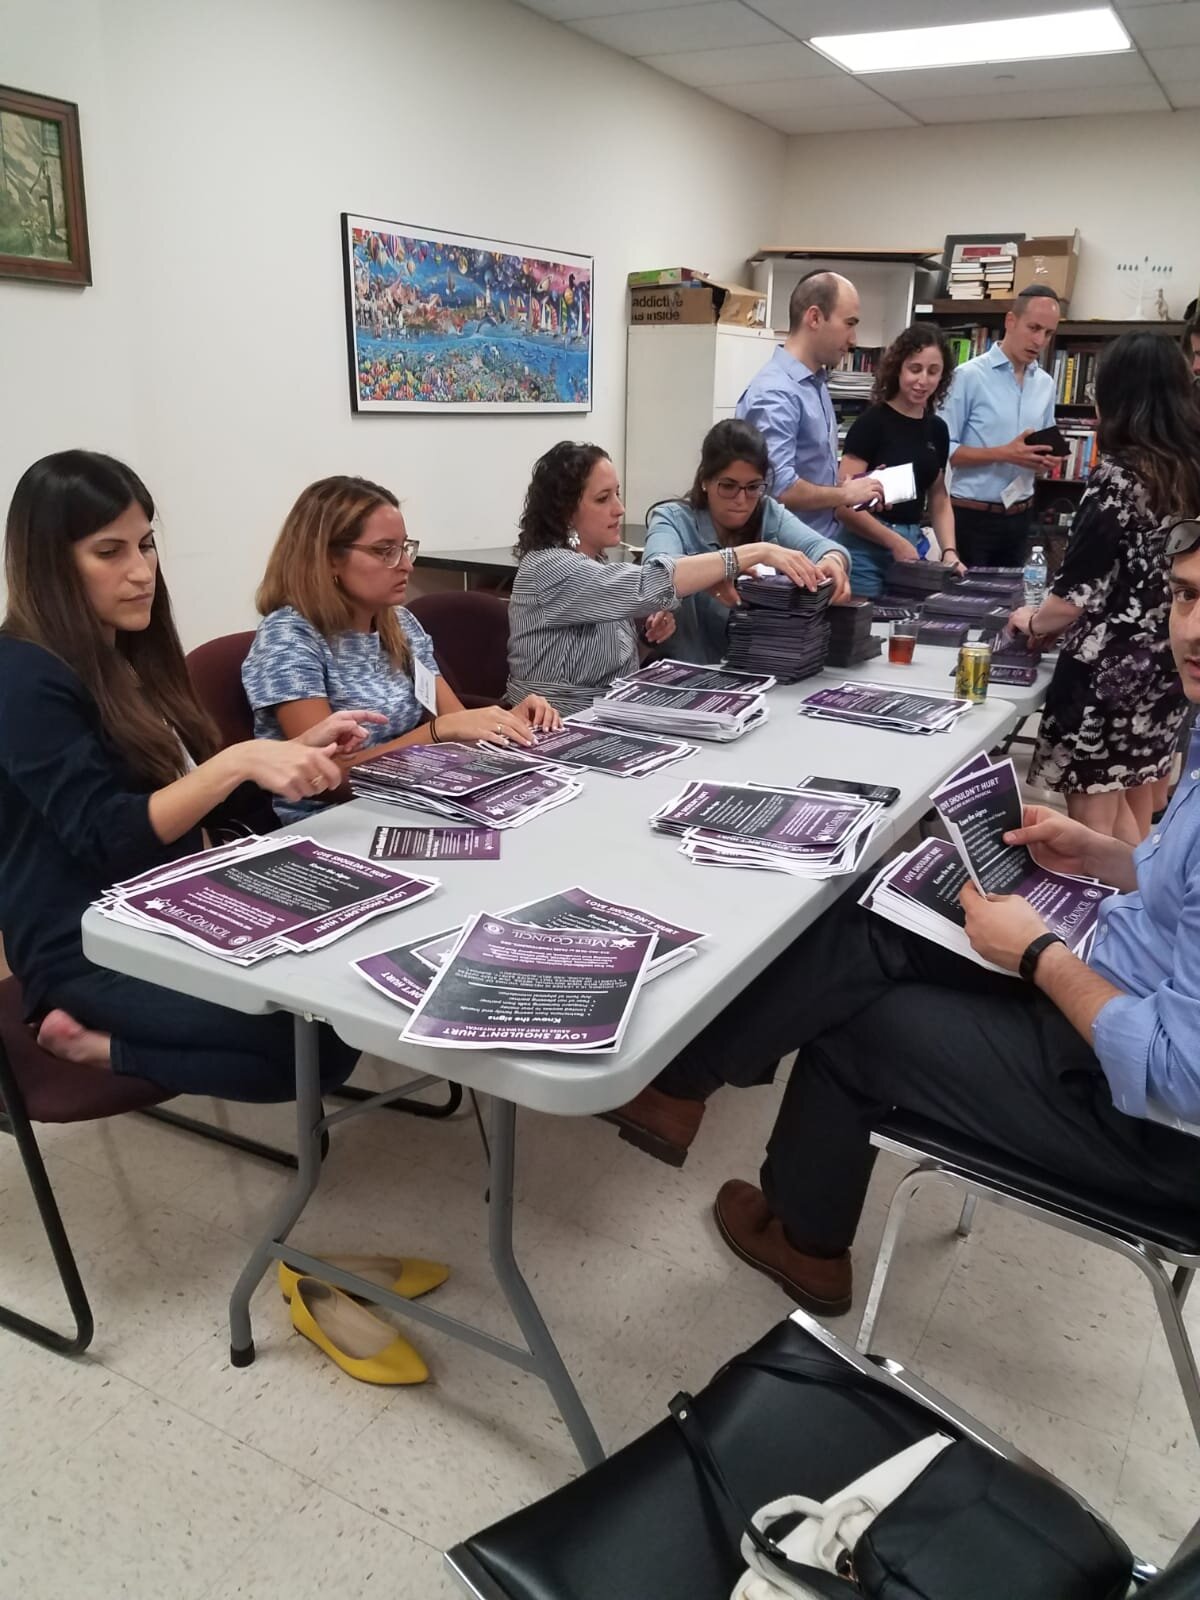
pixel 660 1124
pixel 750 1229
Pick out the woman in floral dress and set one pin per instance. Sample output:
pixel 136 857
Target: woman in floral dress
pixel 1114 707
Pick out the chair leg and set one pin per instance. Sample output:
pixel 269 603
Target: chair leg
pixel 1181 1283
pixel 225 1136
pixel 905 1190
pixel 966 1219
pixel 1170 1311
pixel 64 1257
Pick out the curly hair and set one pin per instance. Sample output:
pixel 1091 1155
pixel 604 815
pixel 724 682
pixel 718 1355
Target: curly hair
pixel 920 336
pixel 554 492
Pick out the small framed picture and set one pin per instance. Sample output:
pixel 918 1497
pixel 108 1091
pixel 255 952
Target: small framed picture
pixel 43 220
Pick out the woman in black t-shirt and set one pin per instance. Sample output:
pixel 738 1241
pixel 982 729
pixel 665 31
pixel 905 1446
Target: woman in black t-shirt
pixel 901 427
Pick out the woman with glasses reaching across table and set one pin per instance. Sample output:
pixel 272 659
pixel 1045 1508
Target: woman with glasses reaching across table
pixel 729 506
pixel 335 632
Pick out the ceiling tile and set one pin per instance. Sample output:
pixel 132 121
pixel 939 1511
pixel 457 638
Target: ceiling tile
pixel 805 18
pixel 1184 95
pixel 748 63
pixel 575 10
pixel 1011 77
pixel 1037 103
pixel 833 119
pixel 1181 65
pixel 840 92
pixel 1161 27
pixel 671 29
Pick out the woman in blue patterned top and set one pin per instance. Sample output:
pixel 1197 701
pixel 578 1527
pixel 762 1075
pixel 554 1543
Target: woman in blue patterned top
pixel 335 633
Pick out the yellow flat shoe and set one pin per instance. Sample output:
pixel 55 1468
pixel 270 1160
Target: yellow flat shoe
pixel 355 1339
pixel 405 1275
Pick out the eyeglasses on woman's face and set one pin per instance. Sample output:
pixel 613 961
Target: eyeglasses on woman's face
pixel 391 553
pixel 731 489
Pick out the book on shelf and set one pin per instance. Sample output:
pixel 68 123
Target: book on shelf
pixel 1073 373
pixel 1077 465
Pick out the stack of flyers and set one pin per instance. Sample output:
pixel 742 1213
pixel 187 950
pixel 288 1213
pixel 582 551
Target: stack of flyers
pixel 691 675
pixel 919 579
pixel 1008 592
pixel 509 986
pixel 979 804
pixel 976 610
pixel 995 572
pixel 435 844
pixel 874 705
pixel 262 897
pixel 696 713
pixel 850 636
pixel 896 608
pixel 405 971
pixel 810 832
pixel 1008 672
pixel 779 628
pixel 582 743
pixel 937 631
pixel 472 783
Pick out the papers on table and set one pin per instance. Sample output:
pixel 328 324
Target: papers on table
pixel 690 675
pixel 581 743
pixel 850 636
pixel 979 804
pixel 510 986
pixel 779 627
pixel 696 713
pixel 810 832
pixel 874 705
pixel 262 897
pixel 435 844
pixel 472 783
pixel 404 972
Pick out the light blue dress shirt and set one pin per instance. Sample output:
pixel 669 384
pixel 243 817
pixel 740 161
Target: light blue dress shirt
pixel 789 405
pixel 700 622
pixel 987 407
pixel 1148 945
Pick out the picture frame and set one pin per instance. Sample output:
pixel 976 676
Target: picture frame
pixel 43 214
pixel 440 322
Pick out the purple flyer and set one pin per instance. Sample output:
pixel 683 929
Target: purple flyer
pixel 783 818
pixel 979 808
pixel 496 805
pixel 690 675
pixel 587 745
pixel 435 844
pixel 934 877
pixel 398 973
pixel 510 986
pixel 450 769
pixel 711 701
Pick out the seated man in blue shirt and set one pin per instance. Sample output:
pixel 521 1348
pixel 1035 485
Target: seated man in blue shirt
pixel 995 401
pixel 1061 1066
pixel 788 402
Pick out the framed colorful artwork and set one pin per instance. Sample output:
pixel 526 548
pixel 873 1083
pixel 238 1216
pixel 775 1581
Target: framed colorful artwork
pixel 440 322
pixel 43 220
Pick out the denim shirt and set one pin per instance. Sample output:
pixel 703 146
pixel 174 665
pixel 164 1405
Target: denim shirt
pixel 1148 945
pixel 700 622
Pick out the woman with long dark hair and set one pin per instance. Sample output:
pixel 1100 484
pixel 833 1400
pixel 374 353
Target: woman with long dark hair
pixel 109 767
pixel 336 633
pixel 1114 707
pixel 901 426
pixel 729 504
pixel 572 613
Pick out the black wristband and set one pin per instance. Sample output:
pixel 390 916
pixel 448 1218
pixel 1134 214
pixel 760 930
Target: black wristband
pixel 1033 954
pixel 433 734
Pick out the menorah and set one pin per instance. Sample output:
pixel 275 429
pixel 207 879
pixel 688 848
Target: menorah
pixel 1137 279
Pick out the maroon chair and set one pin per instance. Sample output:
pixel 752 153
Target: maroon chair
pixel 470 639
pixel 38 1087
pixel 215 669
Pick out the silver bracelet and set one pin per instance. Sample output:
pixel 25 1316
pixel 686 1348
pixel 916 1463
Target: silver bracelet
pixel 733 568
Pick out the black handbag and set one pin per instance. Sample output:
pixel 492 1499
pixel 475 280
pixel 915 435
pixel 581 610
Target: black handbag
pixel 972 1526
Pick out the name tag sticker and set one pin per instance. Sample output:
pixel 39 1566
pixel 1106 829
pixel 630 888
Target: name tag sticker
pixel 425 684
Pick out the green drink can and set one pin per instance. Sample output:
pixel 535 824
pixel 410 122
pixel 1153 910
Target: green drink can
pixel 974 670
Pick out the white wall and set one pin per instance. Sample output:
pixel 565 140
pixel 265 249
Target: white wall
pixel 1128 183
pixel 221 142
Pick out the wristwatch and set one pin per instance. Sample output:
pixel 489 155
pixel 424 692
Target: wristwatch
pixel 1033 954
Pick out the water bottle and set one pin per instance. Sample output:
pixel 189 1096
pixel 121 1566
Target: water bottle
pixel 1035 577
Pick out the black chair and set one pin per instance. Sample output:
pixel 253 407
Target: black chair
pixel 37 1087
pixel 644 1525
pixel 1163 1242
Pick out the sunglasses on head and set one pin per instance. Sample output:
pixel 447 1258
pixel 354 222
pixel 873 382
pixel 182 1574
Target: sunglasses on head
pixel 1182 538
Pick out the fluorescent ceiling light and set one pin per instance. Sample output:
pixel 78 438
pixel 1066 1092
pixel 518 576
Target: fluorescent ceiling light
pixel 1063 33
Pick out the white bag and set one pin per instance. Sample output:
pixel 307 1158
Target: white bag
pixel 830 1527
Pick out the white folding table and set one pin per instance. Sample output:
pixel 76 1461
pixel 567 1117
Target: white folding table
pixel 602 841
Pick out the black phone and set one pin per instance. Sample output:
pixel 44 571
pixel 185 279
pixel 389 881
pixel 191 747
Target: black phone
pixel 882 792
pixel 1051 436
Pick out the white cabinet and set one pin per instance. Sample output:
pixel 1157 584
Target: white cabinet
pixel 679 382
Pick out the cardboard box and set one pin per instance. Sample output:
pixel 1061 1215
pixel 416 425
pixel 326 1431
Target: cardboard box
pixel 658 275
pixel 705 301
pixel 1051 261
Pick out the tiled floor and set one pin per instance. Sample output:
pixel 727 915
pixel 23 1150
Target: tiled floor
pixel 151 1468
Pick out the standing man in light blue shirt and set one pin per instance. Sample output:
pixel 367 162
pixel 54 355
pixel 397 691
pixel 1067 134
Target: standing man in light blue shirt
pixel 995 402
pixel 788 402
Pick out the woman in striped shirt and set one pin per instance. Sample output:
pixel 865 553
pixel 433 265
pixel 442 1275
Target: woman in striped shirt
pixel 572 614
